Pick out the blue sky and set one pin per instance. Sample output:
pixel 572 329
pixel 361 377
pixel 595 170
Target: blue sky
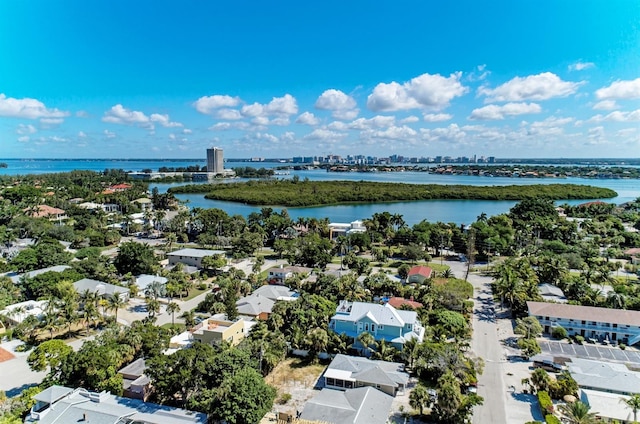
pixel 161 79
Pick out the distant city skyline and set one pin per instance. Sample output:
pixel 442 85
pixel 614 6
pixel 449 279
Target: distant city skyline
pixel 162 79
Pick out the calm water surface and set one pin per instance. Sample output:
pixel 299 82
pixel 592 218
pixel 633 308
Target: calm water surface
pixel 457 211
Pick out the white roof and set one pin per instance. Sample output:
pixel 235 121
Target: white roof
pixel 380 314
pixel 19 311
pixel 339 374
pixel 196 253
pixel 604 376
pixel 607 405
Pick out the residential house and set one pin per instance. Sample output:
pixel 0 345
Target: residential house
pixel 58 404
pixel 215 330
pixel 614 325
pixel 15 278
pixel 362 405
pixel 418 274
pixel 384 322
pixel 259 304
pixel 145 280
pixel 135 384
pixel 100 288
pixel 48 212
pixel 604 376
pixel 551 293
pixel 279 275
pixel 634 255
pixel 191 257
pixel 18 312
pixel 399 302
pixel 337 229
pixel 608 407
pixel 348 372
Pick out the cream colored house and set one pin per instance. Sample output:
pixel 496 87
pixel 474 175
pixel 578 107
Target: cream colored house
pixel 215 330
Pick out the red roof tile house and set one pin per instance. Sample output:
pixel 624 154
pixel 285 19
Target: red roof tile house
pixel 45 211
pixel 399 302
pixel 418 274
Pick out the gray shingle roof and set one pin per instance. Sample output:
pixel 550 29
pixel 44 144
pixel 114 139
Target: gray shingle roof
pixel 370 371
pixel 273 292
pixel 98 287
pixel 58 268
pixel 196 253
pixel 604 376
pixel 364 405
pixel 254 305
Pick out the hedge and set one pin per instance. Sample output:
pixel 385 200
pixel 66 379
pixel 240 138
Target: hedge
pixel 546 405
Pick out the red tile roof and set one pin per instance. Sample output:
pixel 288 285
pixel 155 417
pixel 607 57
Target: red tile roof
pixel 397 302
pixel 45 211
pixel 425 271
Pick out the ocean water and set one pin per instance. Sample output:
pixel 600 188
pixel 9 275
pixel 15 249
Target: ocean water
pixel 457 211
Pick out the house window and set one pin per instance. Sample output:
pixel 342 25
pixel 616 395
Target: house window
pixel 373 328
pixel 615 325
pixel 331 382
pixel 380 327
pixel 409 326
pixel 584 322
pixel 593 323
pixel 366 327
pixel 348 384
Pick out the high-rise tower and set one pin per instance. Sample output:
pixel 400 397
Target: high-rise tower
pixel 215 162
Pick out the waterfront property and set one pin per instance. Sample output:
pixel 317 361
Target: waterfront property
pixel 604 324
pixel 363 405
pixel 348 372
pixel 384 322
pixel 337 229
pixel 58 404
pixel 191 257
pixel 217 329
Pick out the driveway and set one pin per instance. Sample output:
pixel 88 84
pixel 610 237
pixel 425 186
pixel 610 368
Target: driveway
pixel 16 374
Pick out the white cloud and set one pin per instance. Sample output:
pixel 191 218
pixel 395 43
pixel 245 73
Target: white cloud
pixel 596 135
pixel 425 91
pixel 118 114
pixel 493 112
pixel 340 104
pixel 228 114
pixel 620 90
pixel 279 106
pixel 109 134
pixel 410 120
pixel 378 121
pixel 436 117
pixel 450 134
pixel 224 126
pixel 164 120
pixel 581 66
pixel 392 133
pixel 606 105
pixel 27 108
pixel 321 134
pixel 23 139
pixel 51 121
pixel 338 126
pixel 26 129
pixel 82 114
pixel 307 118
pixel 543 86
pixel 186 131
pixel 82 134
pixel 207 104
pixel 618 116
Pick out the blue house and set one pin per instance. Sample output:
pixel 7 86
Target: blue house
pixel 384 322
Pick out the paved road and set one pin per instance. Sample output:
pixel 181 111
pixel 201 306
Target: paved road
pixel 485 344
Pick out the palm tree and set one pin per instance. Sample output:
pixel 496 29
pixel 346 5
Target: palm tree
pixel 153 307
pixel 366 339
pixel 578 413
pixel 634 403
pixel 115 302
pixel 318 339
pixel 172 308
pixel 385 352
pixel 419 398
pixel 189 318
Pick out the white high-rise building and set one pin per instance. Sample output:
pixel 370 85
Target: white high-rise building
pixel 215 161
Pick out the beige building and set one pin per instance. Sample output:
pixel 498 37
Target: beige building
pixel 215 330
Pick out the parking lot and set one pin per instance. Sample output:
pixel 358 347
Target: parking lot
pixel 590 351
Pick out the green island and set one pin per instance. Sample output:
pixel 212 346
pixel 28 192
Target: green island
pixel 296 193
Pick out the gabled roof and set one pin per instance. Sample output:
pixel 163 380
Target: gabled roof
pixel 254 305
pixel 274 292
pixel 370 371
pixel 31 274
pixel 136 367
pixel 584 313
pixel 364 405
pixel 98 287
pixel 44 211
pixel 424 271
pixel 52 394
pixel 380 314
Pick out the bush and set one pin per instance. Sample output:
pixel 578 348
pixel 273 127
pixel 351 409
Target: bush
pixel 579 339
pixel 559 333
pixel 622 346
pixel 284 398
pixel 552 419
pixel 546 405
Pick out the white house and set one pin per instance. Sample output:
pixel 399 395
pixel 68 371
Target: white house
pixel 191 257
pixel 17 312
pixel 337 229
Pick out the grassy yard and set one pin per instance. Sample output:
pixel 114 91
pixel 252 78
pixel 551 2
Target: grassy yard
pixel 294 371
pixel 194 292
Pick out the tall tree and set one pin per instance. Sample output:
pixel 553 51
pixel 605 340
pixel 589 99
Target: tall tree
pixel 633 402
pixel 172 308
